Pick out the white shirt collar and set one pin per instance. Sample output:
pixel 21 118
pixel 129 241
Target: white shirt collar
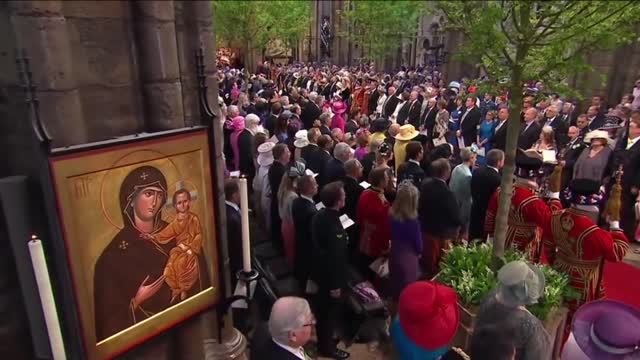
pixel 414 161
pixel 308 198
pixel 496 169
pixel 299 352
pixel 233 205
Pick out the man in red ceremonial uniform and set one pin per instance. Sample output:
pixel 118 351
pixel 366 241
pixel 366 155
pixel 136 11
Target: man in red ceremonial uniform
pixel 528 212
pixel 575 245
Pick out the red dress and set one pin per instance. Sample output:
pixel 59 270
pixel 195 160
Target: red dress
pixel 372 217
pixel 527 215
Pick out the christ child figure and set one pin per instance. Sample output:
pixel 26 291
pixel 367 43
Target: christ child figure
pixel 181 271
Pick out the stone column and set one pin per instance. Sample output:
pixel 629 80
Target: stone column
pixel 159 66
pixel 41 29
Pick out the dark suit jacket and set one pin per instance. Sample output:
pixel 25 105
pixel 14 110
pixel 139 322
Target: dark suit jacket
pixel 303 211
pixel 559 131
pixel 311 157
pixel 469 126
pixel 529 136
pixel 234 239
pixel 323 159
pixel 334 171
pixel 403 114
pixel 484 183
pixel 329 250
pixel 270 124
pixel 412 172
pixel 373 102
pixel 630 159
pixel 352 190
pixel 597 122
pixel 499 137
pixel 390 106
pixel 310 112
pixel 263 347
pixel 351 126
pixel 571 153
pixel 438 209
pixel 428 120
pixel 414 114
pixel 245 147
pixel 276 171
pixel 325 130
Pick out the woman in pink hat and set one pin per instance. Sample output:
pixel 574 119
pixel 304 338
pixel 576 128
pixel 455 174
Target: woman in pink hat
pixel 237 125
pixel 338 109
pixel 427 321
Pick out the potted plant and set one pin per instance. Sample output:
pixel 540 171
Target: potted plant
pixel 468 271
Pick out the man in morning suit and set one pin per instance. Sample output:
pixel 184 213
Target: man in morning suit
pixel 469 122
pixel 628 155
pixel 289 329
pixel 234 227
pixel 303 209
pixel 530 131
pixel 329 267
pixel 411 169
pixel 559 127
pixel 570 155
pixel 282 155
pixel 439 215
pixel 391 103
pixel 484 182
pixel 499 138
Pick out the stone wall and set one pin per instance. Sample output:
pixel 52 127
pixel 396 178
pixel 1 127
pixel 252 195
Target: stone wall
pixel 103 69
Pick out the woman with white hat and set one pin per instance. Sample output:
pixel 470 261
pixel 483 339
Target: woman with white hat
pixel 594 163
pixel 261 188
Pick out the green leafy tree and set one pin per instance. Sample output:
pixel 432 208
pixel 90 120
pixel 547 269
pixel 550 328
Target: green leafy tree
pixel 380 26
pixel 526 41
pixel 252 24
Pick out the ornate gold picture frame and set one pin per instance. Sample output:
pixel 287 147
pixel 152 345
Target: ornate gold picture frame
pixel 138 226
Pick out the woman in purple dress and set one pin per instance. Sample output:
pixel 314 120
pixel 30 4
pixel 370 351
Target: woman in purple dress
pixel 406 239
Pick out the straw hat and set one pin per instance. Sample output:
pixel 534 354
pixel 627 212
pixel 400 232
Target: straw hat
pixel 301 139
pixel 407 132
pixel 597 134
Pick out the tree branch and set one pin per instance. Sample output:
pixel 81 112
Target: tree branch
pixel 515 20
pixel 594 24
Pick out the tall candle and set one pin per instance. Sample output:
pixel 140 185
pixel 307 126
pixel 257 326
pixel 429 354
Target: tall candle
pixel 244 219
pixel 46 298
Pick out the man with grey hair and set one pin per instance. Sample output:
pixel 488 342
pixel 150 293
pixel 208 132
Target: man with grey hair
pixel 310 111
pixel 290 325
pixel 484 182
pixel 530 131
pixel 559 127
pixel 335 168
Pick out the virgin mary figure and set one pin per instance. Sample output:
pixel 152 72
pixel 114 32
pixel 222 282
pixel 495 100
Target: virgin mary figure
pixel 128 282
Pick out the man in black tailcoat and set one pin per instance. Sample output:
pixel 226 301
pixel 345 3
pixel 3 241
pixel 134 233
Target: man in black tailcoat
pixel 484 182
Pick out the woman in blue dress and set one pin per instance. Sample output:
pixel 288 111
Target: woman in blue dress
pixel 454 120
pixel 485 131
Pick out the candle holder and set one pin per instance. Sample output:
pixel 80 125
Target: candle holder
pixel 247 278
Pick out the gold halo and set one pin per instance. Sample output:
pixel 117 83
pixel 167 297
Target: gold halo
pixel 121 168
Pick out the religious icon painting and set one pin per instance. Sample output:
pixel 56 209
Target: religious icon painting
pixel 138 224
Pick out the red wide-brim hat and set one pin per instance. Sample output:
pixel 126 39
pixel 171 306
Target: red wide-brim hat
pixel 429 314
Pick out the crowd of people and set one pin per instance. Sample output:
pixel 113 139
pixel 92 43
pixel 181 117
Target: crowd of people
pixel 416 165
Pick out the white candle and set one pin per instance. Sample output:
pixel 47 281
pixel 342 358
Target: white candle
pixel 46 298
pixel 244 219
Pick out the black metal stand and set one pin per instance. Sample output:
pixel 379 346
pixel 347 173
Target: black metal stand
pixel 247 278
